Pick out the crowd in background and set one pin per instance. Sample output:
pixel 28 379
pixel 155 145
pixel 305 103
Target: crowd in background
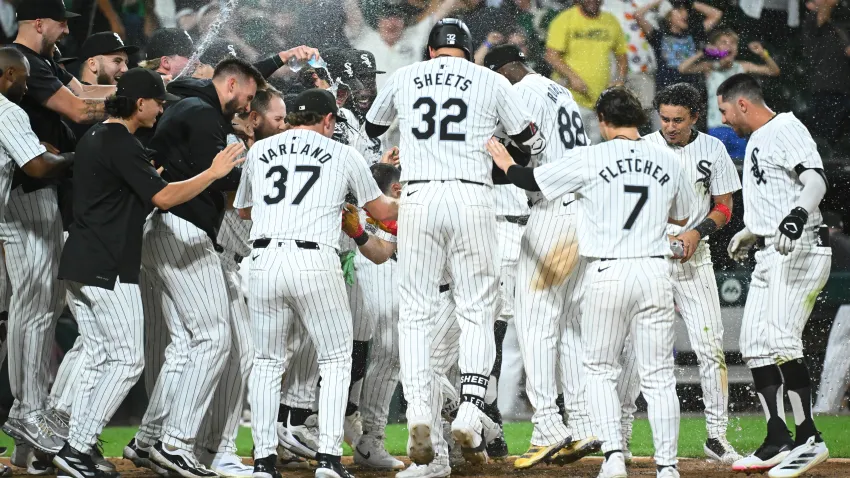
pixel 802 50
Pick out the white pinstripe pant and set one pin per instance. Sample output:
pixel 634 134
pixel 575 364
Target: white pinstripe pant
pixel 445 226
pixel 836 364
pixel 630 297
pixel 289 283
pixel 32 239
pixel 548 296
pixel 695 293
pixel 301 365
pixel 782 293
pixel 111 329
pixel 180 258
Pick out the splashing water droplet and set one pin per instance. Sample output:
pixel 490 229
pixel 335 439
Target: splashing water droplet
pixel 226 9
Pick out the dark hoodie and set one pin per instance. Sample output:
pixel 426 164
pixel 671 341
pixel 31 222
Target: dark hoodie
pixel 189 135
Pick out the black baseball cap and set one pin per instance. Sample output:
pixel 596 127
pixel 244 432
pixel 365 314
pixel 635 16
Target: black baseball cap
pixel 318 101
pixel 502 55
pixel 104 43
pixel 143 83
pixel 340 63
pixel 219 50
pixel 35 9
pixel 170 42
pixel 365 64
pixel 62 60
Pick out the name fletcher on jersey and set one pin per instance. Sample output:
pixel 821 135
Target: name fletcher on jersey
pixel 635 165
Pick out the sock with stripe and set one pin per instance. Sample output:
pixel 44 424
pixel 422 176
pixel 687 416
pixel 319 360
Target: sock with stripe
pixel 768 383
pixel 798 386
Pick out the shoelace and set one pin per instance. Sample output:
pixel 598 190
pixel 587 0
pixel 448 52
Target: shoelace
pixel 60 418
pixel 41 424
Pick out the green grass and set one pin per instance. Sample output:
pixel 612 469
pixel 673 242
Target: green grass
pixel 745 433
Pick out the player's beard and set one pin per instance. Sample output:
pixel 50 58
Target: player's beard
pixel 230 109
pixel 47 47
pixel 104 79
pixel 15 94
pixel 263 131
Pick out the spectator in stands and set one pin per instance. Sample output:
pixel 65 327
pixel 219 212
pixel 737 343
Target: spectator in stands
pixel 769 20
pixel 827 48
pixel 641 76
pixel 580 42
pixel 395 43
pixel 510 17
pixel 495 39
pixel 717 63
pixel 678 37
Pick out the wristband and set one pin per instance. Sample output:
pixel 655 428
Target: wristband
pixel 706 227
pixel 362 238
pixel 487 45
pixel 722 209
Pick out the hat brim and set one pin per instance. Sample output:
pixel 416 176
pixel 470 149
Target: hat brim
pixel 71 15
pixel 66 60
pixel 170 97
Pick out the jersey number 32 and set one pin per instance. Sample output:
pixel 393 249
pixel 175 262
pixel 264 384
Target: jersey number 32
pixel 429 118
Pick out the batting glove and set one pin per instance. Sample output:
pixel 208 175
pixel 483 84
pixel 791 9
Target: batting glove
pixel 790 229
pixel 739 246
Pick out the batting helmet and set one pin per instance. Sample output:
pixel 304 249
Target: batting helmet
pixel 451 33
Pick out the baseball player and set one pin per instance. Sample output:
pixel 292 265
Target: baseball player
pixel 783 184
pixel 713 177
pixel 295 236
pixel 836 365
pixel 627 189
pixel 549 278
pixel 116 188
pixel 447 108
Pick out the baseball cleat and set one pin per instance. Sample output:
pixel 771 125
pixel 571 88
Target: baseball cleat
pixel 59 422
pixel 79 465
pixel 265 467
pixel 719 449
pixel 229 465
pixel 431 470
pixel 352 429
pixel 289 460
pixel 497 448
pixel 539 453
pixel 139 454
pixel 576 450
pixel 35 431
pixel 471 444
pixel 36 462
pixel 5 470
pixel 419 446
pixel 182 462
pixel 329 466
pixel 801 459
pixel 667 472
pixel 766 457
pixel 102 463
pixel 613 467
pixel 294 445
pixel 370 453
pixel 305 438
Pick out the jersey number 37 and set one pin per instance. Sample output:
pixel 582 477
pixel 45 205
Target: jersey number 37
pixel 279 184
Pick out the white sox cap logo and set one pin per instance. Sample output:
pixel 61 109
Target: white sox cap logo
pixel 450 38
pixel 348 70
pixel 365 58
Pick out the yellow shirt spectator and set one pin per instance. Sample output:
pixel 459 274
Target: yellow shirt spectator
pixel 586 44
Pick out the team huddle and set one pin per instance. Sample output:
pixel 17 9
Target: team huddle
pixel 493 207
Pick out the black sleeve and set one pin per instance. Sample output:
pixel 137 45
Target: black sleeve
pixel 269 66
pixel 137 172
pixel 373 130
pixel 523 177
pixel 206 141
pixel 43 82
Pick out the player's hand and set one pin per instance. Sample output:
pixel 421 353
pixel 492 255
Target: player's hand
pixel 500 154
pixel 740 245
pixel 391 157
pixel 756 47
pixel 690 241
pixel 380 225
pixel 226 160
pixel 790 229
pixel 50 148
pixel 495 38
pixel 302 53
pixel 351 221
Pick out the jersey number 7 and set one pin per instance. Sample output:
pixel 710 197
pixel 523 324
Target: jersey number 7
pixel 644 194
pixel 279 185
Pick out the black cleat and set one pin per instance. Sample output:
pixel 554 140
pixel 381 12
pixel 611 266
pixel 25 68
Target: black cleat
pixel 329 466
pixel 497 449
pixel 182 462
pixel 265 467
pixel 72 463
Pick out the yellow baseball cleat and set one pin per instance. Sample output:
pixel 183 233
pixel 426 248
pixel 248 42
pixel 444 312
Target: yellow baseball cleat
pixel 536 454
pixel 575 451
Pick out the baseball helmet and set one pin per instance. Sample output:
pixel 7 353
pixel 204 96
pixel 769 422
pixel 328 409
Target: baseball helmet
pixel 451 33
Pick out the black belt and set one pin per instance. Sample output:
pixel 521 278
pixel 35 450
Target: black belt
pixel 263 243
pixel 822 238
pixel 521 220
pixel 423 181
pixel 444 288
pixel 618 258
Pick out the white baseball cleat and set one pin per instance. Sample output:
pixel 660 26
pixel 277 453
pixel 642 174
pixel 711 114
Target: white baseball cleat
pixel 352 429
pixel 370 453
pixel 801 459
pixel 613 467
pixel 139 454
pixel 229 465
pixel 766 457
pixel 431 470
pixel 468 435
pixel 290 461
pixel 24 456
pixel 306 436
pixel 719 449
pixel 667 472
pixel 419 446
pixel 287 441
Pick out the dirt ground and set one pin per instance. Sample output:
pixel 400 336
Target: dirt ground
pixel 587 467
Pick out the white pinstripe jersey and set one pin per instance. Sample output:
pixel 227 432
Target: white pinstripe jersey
pixel 299 180
pixel 771 185
pixel 626 191
pixel 447 110
pixel 18 145
pixel 708 169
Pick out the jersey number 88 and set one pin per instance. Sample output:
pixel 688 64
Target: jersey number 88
pixel 571 132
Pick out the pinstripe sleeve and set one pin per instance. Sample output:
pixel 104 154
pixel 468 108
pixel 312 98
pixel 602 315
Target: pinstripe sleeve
pixel 243 192
pixel 726 179
pixel 510 107
pixel 799 147
pixel 360 180
pixel 685 197
pixel 17 137
pixel 561 177
pixel 383 112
